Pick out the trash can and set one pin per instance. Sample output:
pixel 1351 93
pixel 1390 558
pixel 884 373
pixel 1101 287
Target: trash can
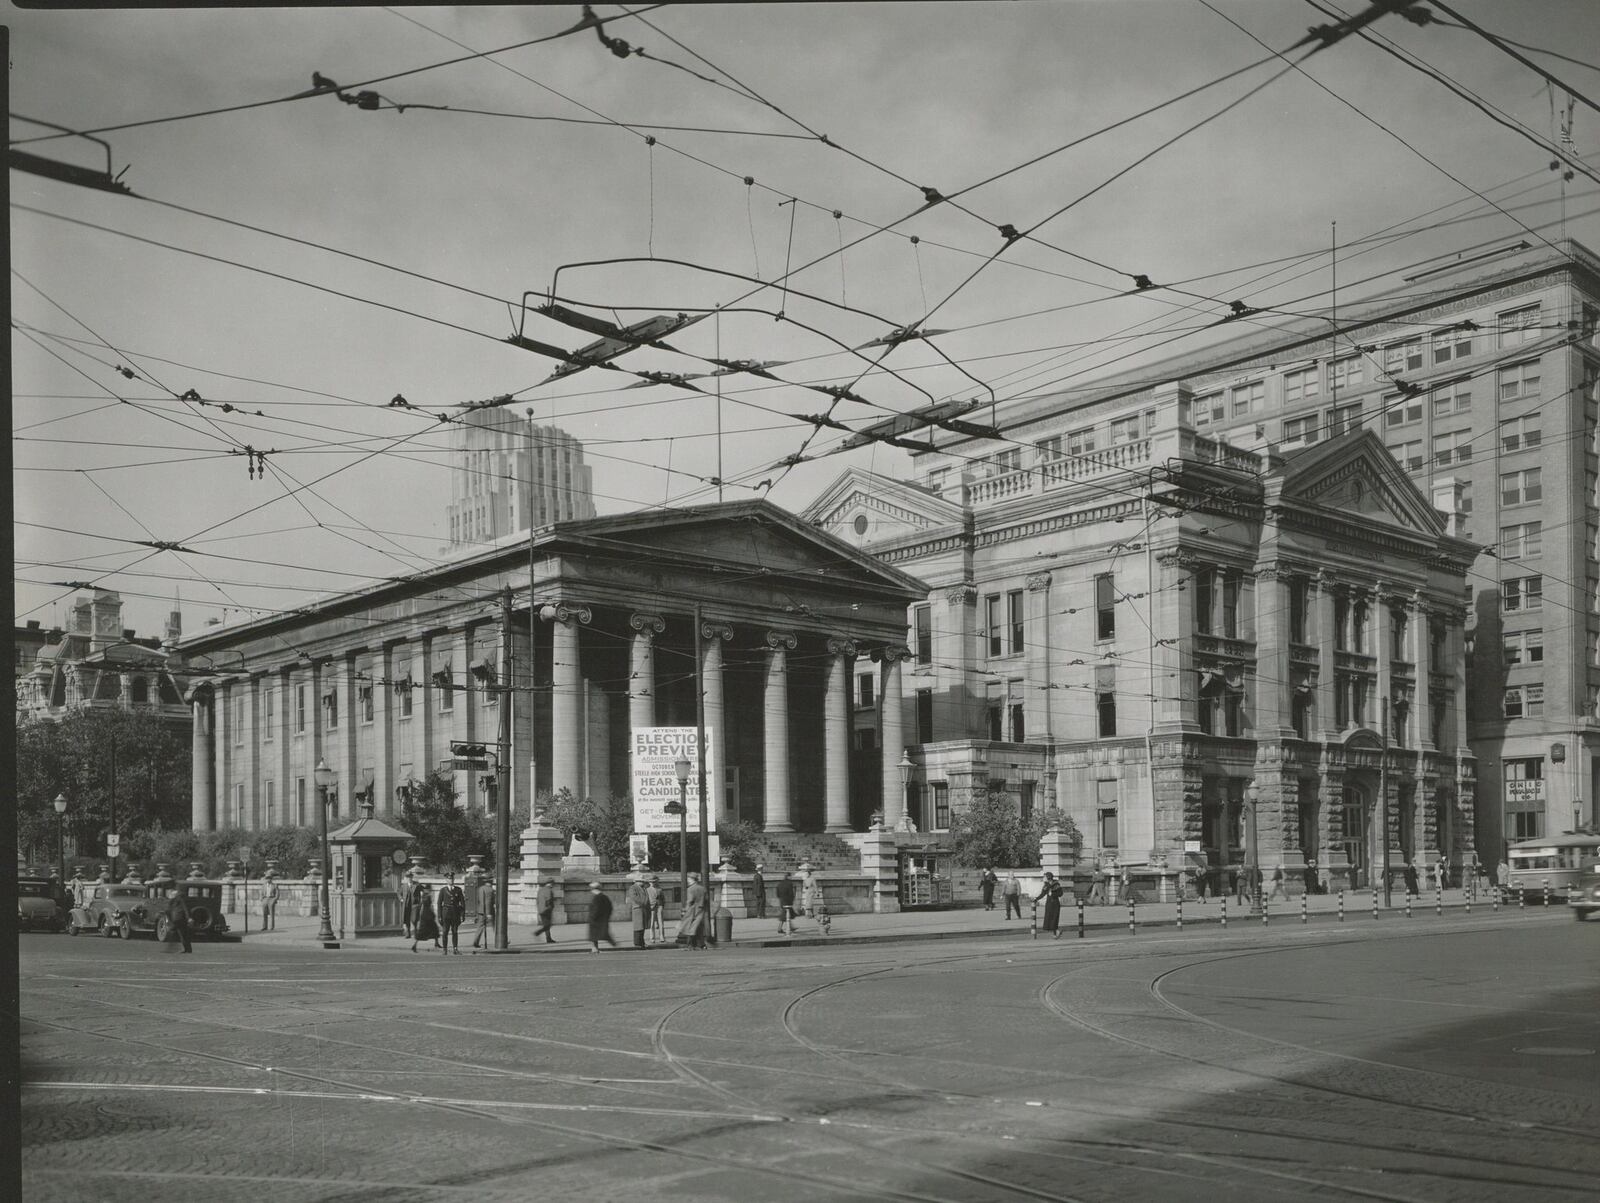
pixel 724 921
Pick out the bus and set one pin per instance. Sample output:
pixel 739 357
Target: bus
pixel 1553 860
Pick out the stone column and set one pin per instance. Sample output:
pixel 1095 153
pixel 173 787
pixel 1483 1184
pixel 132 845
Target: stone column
pixel 222 747
pixel 955 643
pixel 892 725
pixel 642 670
pixel 566 696
pixel 1457 619
pixel 1174 605
pixel 1039 711
pixel 1383 628
pixel 776 732
pixel 1274 687
pixel 712 636
pixel 836 732
pixel 1327 657
pixel 202 773
pixel 384 712
pixel 350 766
pixel 1422 658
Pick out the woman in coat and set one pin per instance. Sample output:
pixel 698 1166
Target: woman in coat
pixel 1051 893
pixel 425 924
pixel 692 928
pixel 599 918
pixel 638 911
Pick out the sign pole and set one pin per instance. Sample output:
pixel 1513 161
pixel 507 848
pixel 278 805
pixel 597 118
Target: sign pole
pixel 502 826
pixel 700 772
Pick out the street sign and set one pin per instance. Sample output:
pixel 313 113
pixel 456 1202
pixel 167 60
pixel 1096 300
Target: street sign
pixel 461 763
pixel 112 840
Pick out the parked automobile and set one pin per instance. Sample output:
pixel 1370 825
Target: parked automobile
pixel 127 910
pixel 1585 896
pixel 39 905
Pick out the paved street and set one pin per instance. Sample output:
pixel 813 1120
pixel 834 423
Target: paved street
pixel 1445 1058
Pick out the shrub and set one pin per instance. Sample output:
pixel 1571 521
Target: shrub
pixel 991 831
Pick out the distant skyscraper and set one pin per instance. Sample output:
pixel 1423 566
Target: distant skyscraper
pixel 512 474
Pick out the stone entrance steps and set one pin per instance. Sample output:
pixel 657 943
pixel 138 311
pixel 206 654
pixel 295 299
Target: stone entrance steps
pixel 787 851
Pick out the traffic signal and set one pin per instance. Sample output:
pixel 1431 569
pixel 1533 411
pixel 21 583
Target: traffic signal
pixel 468 751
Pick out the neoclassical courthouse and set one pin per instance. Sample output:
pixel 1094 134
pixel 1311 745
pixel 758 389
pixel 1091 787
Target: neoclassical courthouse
pixel 1246 602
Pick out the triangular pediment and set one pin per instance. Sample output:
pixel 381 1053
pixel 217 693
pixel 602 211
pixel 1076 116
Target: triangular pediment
pixel 1356 476
pixel 867 510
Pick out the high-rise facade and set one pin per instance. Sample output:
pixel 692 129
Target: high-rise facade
pixel 1479 378
pixel 512 474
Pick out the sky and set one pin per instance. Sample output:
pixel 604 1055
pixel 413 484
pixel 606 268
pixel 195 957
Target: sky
pixel 293 265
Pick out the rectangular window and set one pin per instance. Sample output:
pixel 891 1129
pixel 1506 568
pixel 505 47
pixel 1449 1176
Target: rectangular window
pixel 1518 326
pixel 1002 462
pixel 924 716
pixel 1399 628
pixel 940 793
pixel 1400 410
pixel 1403 356
pixel 864 691
pixel 268 708
pixel 1300 432
pixel 238 805
pixel 236 717
pixel 996 632
pixel 1016 617
pixel 1231 586
pixel 997 720
pixel 299 708
pixel 1204 599
pixel 1451 344
pixel 1521 541
pixel 1105 606
pixel 1019 729
pixel 1452 448
pixel 922 634
pixel 1108 828
pixel 443 681
pixel 1206 409
pixel 1520 380
pixel 1517 488
pixel 1300 385
pixel 1346 372
pixel 1521 593
pixel 404 690
pixel 1524 647
pixel 1246 399
pixel 1024 796
pixel 1520 434
pixel 364 696
pixel 330 702
pixel 1049 450
pixel 1344 418
pixel 1408 454
pixel 1300 713
pixel 1125 430
pixel 1516 703
pixel 1360 690
pixel 1451 399
pixel 1299 597
pixel 269 799
pixel 1105 695
pixel 1080 442
pixel 300 801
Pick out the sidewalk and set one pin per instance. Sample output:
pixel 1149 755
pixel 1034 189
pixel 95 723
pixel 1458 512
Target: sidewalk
pixel 962 923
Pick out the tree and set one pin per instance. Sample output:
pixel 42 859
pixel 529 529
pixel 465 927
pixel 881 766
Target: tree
pixel 991 832
pixel 444 833
pixel 81 755
pixel 606 826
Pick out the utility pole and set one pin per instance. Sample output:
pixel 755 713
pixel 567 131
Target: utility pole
pixel 113 807
pixel 700 744
pixel 502 826
pixel 1383 792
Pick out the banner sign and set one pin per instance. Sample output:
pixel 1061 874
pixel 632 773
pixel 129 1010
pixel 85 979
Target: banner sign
pixel 655 779
pixel 1525 793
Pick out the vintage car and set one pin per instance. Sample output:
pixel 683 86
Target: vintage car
pixel 39 905
pixel 125 910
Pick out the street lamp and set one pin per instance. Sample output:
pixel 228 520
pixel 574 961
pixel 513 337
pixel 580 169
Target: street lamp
pixel 325 778
pixel 681 808
pixel 61 834
pixel 905 789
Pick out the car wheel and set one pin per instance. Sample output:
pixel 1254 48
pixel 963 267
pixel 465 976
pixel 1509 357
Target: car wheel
pixel 72 928
pixel 103 928
pixel 125 928
pixel 163 929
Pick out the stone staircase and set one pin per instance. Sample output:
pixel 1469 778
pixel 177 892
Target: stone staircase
pixel 787 851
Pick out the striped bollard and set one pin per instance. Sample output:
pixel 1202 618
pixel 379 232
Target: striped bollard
pixel 1438 900
pixel 1547 891
pixel 1341 906
pixel 1035 918
pixel 1374 902
pixel 1303 916
pixel 1522 900
pixel 1494 900
pixel 1408 904
pixel 1224 900
pixel 1080 918
pixel 1131 926
pixel 1467 901
pixel 1180 910
pixel 1263 910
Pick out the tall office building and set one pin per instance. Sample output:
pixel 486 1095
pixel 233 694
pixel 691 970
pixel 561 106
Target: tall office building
pixel 513 474
pixel 1479 378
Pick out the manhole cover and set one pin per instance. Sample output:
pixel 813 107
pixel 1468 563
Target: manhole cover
pixel 1547 1050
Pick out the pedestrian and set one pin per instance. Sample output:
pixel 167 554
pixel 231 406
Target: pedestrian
pixel 1202 876
pixel 1241 884
pixel 451 906
pixel 599 918
pixel 758 885
pixel 785 895
pixel 488 904
pixel 692 926
pixel 411 895
pixel 1279 888
pixel 424 923
pixel 1050 891
pixel 1441 872
pixel 986 883
pixel 638 910
pixel 1311 875
pixel 178 919
pixel 658 904
pixel 1097 886
pixel 1413 885
pixel 1011 893
pixel 1502 875
pixel 269 905
pixel 544 900
pixel 815 902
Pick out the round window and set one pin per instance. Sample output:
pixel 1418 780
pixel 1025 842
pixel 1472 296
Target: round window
pixel 861 524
